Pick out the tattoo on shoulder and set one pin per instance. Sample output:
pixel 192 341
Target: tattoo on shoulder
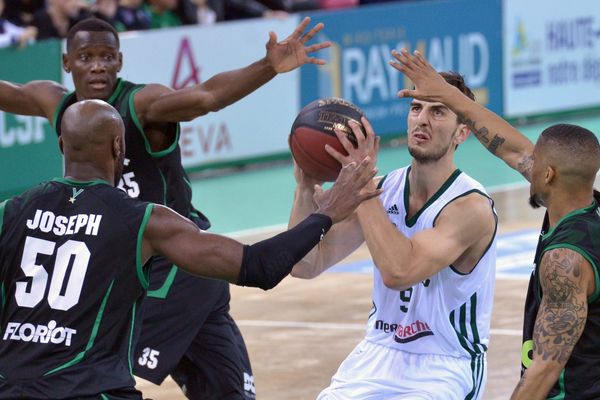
pixel 524 166
pixel 563 311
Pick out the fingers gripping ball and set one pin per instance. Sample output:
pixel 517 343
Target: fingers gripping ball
pixel 313 128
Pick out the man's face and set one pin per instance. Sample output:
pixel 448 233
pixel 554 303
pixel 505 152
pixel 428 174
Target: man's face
pixel 94 60
pixel 432 128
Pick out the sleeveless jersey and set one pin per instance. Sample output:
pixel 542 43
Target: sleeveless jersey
pixel 580 232
pixel 71 283
pixel 156 177
pixel 449 313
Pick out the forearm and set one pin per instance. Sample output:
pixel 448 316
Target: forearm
pixel 228 87
pixel 342 239
pixel 386 245
pixel 537 381
pixel 492 131
pixel 267 262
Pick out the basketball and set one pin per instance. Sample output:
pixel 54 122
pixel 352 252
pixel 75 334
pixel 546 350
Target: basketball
pixel 313 129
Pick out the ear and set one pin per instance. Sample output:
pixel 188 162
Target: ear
pixel 60 144
pixel 462 134
pixel 120 62
pixel 65 62
pixel 550 174
pixel 117 147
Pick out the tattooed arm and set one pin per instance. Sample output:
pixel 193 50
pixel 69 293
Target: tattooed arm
pixel 566 279
pixel 497 135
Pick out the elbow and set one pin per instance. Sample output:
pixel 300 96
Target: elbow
pixel 304 271
pixel 395 280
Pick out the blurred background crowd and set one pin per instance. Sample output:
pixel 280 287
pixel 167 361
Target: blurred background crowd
pixel 25 21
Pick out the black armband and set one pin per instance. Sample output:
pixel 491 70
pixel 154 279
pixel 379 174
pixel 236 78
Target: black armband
pixel 267 262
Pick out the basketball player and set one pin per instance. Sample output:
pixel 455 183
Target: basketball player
pixel 561 345
pixel 432 236
pixel 73 263
pixel 203 349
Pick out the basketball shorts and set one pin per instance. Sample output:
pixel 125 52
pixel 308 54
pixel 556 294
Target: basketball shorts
pixel 375 372
pixel 187 332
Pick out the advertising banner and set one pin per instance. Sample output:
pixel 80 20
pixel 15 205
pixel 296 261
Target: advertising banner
pixel 551 56
pixel 254 127
pixel 459 35
pixel 28 146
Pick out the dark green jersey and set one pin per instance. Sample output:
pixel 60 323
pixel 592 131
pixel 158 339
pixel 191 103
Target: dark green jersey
pixel 157 177
pixel 71 284
pixel 580 232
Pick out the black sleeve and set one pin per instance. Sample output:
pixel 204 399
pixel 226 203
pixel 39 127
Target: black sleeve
pixel 266 263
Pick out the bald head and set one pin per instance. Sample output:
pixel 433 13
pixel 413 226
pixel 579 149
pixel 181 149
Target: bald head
pixel 573 151
pixel 92 138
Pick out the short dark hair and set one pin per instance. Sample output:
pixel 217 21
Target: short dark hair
pixel 575 138
pixel 457 80
pixel 91 25
pixel 575 148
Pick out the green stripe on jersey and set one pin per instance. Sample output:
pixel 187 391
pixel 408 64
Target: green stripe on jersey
pixel 129 359
pixel 561 385
pixel 143 278
pixel 90 343
pixel 2 207
pixel 161 292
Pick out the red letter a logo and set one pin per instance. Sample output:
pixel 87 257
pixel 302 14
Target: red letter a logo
pixel 185 54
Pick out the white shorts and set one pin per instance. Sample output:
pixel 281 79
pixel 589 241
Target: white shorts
pixel 375 372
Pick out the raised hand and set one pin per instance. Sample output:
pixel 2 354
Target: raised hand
pixel 367 144
pixel 347 192
pixel 429 84
pixel 292 52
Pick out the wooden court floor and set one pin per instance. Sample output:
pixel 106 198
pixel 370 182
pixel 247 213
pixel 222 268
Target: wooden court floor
pixel 298 333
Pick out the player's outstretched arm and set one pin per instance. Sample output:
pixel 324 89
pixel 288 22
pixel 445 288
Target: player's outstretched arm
pixel 228 87
pixel 343 238
pixel 266 263
pixel 497 135
pixel 39 98
pixel 567 279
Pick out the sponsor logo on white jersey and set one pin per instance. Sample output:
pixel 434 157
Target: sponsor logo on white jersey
pixel 413 331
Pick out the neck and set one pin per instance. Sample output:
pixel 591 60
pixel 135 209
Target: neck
pixel 84 172
pixel 426 178
pixel 561 204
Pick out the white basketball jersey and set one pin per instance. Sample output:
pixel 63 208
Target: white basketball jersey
pixel 448 313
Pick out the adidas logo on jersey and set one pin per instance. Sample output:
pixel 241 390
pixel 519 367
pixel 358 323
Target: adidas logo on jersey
pixel 393 210
pixel 39 333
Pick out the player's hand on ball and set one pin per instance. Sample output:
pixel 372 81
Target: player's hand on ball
pixel 367 145
pixel 303 179
pixel 347 192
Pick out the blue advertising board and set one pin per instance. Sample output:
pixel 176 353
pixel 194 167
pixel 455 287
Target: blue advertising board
pixel 458 35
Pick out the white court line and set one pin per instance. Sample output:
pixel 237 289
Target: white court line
pixel 340 326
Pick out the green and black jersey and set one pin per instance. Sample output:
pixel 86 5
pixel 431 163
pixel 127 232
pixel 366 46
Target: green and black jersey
pixel 580 232
pixel 157 177
pixel 71 283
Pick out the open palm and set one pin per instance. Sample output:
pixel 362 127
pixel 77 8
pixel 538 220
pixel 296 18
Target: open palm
pixel 293 52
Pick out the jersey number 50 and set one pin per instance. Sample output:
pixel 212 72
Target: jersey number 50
pixel 70 250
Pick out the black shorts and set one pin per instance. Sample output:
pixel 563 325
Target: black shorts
pixel 188 326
